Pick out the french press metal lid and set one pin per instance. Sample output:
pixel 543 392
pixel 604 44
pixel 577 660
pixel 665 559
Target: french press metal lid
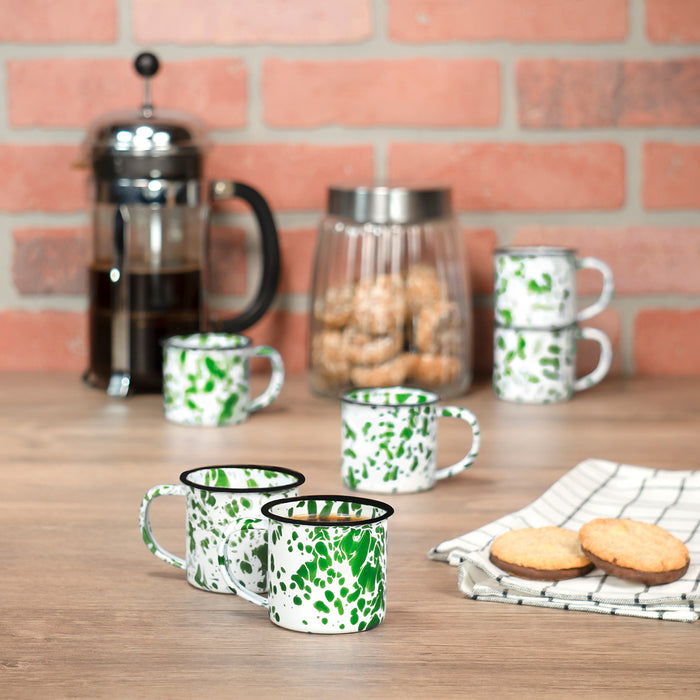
pixel 150 224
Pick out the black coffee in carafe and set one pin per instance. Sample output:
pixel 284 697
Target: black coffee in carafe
pixel 163 303
pixel 150 226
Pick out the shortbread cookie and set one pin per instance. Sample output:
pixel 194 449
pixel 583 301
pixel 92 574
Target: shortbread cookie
pixel 366 349
pixel 435 369
pixel 335 307
pixel 379 305
pixel 634 550
pixel 388 373
pixel 542 553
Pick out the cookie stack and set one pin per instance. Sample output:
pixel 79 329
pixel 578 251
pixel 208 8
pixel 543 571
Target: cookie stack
pixel 536 329
pixel 621 547
pixel 390 300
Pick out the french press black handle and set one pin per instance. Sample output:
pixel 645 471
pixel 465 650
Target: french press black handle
pixel 226 189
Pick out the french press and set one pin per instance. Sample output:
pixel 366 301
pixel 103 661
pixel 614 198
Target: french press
pixel 150 230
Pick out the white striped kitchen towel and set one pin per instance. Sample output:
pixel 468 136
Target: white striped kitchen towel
pixel 595 488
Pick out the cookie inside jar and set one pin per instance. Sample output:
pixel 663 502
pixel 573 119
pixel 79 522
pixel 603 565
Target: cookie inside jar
pixel 390 297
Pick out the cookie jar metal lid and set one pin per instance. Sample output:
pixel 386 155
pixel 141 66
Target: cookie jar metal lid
pixel 389 204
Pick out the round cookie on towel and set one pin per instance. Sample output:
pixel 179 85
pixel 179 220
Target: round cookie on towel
pixel 634 551
pixel 542 553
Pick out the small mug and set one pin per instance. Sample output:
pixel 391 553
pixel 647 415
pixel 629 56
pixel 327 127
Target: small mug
pixel 532 365
pixel 217 496
pixel 326 563
pixel 206 378
pixel 535 287
pixel 389 439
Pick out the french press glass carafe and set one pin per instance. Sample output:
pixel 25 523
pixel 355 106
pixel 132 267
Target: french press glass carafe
pixel 150 228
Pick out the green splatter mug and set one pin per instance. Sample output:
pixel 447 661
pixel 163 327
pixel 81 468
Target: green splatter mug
pixel 326 563
pixel 535 287
pixel 206 378
pixel 215 497
pixel 389 439
pixel 533 365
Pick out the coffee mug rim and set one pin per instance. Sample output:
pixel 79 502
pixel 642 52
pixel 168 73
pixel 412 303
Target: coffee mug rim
pixel 388 510
pixel 541 329
pixel 535 250
pixel 298 476
pixel 179 342
pixel 434 398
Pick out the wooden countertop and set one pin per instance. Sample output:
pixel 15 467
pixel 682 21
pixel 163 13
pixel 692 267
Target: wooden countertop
pixel 86 611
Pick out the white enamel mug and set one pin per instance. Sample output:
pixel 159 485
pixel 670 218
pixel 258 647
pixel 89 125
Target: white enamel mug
pixel 215 497
pixel 533 365
pixel 206 378
pixel 535 287
pixel 326 563
pixel 389 440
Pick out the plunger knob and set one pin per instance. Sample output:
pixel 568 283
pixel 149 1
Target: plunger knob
pixel 146 64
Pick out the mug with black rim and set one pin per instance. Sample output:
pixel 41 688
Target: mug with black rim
pixel 326 563
pixel 215 497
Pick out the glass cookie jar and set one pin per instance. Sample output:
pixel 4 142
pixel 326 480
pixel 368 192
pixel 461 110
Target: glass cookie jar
pixel 390 298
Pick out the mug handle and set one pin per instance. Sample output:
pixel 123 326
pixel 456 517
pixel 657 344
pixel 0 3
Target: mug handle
pixel 607 292
pixel 468 460
pixel 145 522
pixel 276 379
pixel 239 525
pixel 606 353
pixel 227 189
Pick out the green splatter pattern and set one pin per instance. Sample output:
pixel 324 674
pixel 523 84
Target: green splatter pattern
pixel 389 440
pixel 539 366
pixel 209 512
pixel 206 379
pixel 328 579
pixel 535 287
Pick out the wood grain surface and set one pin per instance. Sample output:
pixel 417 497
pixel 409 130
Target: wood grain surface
pixel 86 611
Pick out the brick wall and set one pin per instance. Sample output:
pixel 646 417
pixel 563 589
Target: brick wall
pixel 572 122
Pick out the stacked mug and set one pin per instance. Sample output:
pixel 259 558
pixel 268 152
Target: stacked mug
pixel 537 329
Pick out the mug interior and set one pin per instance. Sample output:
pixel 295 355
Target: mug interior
pixel 389 396
pixel 208 341
pixel 327 511
pixel 242 478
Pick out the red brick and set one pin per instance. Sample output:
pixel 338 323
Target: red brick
pixel 291 177
pixel 51 261
pixel 227 261
pixel 671 176
pixel 74 91
pixel 643 259
pixel 285 331
pixel 267 22
pixel 580 94
pixel 44 340
pixel 41 177
pixel 417 91
pixel 666 342
pixel 515 20
pixel 480 244
pixel 518 176
pixel 297 248
pixel 58 21
pixel 673 21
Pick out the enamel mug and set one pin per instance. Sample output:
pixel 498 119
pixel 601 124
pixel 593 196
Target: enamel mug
pixel 326 563
pixel 215 497
pixel 535 287
pixel 389 439
pixel 533 365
